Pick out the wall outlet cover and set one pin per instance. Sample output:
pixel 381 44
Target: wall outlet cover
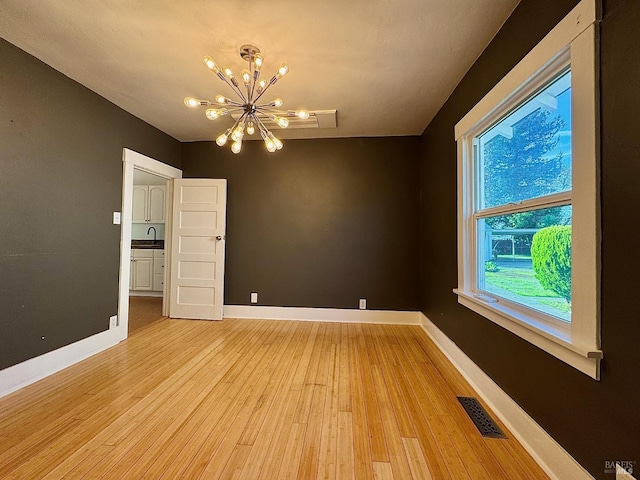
pixel 113 321
pixel 117 218
pixel 254 297
pixel 363 304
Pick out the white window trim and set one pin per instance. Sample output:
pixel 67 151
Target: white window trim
pixel 579 345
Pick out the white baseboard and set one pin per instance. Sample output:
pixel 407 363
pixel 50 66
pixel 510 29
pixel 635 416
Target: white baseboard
pixel 554 459
pixel 18 376
pixel 322 314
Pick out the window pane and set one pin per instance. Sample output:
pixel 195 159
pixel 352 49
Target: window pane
pixel 526 258
pixel 528 153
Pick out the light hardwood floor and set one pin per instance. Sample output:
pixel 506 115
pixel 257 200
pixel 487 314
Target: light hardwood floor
pixel 144 311
pixel 183 399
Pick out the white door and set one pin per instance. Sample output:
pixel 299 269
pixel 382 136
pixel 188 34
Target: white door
pixel 197 248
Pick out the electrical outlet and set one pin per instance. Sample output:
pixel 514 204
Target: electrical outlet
pixel 113 321
pixel 254 297
pixel 117 219
pixel 363 304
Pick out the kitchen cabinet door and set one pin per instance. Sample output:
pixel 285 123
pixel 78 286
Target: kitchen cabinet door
pixel 148 204
pixel 156 204
pixel 142 269
pixel 140 203
pixel 143 273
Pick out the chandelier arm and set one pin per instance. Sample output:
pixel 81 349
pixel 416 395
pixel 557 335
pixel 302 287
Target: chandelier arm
pixel 232 102
pixel 260 115
pixel 267 105
pixel 237 91
pixel 273 80
pixel 237 122
pixel 251 83
pixel 261 125
pixel 272 111
pixel 253 87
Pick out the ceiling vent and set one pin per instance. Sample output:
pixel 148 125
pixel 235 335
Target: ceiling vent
pixel 317 119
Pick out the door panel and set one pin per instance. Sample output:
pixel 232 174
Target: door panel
pixel 143 273
pixel 140 203
pixel 198 248
pixel 155 213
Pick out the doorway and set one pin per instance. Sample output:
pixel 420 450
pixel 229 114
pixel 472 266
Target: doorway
pixel 148 219
pixel 136 164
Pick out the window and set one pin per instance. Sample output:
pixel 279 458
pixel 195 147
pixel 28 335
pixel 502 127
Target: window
pixel 522 174
pixel 528 252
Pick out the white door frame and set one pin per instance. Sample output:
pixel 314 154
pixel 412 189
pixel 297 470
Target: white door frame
pixel 131 160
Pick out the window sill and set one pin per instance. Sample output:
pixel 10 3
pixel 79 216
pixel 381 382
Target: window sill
pixel 552 340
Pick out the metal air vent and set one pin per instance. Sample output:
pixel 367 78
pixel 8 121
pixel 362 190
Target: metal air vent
pixel 317 119
pixel 481 418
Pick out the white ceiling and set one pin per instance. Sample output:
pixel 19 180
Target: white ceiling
pixel 386 66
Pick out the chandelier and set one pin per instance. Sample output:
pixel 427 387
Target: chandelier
pixel 251 114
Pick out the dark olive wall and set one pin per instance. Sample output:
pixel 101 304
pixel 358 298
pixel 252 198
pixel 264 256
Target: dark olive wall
pixel 60 180
pixel 320 223
pixel 594 421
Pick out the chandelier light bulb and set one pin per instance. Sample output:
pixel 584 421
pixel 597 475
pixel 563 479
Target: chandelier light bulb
pixel 277 102
pixel 191 102
pixel 257 61
pixel 275 140
pixel 262 83
pixel 213 113
pixel 283 70
pixel 303 114
pixel 246 76
pixel 228 72
pixel 222 139
pixel 250 128
pixel 281 121
pixel 211 65
pixel 236 146
pixel 271 147
pixel 222 100
pixel 238 133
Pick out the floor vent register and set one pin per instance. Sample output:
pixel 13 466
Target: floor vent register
pixel 481 418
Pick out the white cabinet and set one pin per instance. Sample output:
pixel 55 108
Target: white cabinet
pixel 141 269
pixel 147 270
pixel 158 270
pixel 140 200
pixel 148 203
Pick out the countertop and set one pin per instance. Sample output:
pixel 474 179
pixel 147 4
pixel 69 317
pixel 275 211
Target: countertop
pixel 155 244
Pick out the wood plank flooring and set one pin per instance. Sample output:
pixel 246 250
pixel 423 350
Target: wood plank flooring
pixel 249 399
pixel 144 311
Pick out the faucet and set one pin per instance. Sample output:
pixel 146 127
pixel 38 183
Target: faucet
pixel 154 232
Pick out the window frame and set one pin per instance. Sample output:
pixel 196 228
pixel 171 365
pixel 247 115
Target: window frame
pixel 573 41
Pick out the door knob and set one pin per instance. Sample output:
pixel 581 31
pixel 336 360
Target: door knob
pixel 219 237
